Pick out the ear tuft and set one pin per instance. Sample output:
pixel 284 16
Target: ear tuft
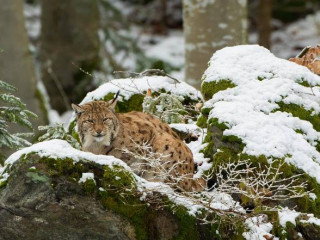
pixel 113 102
pixel 77 109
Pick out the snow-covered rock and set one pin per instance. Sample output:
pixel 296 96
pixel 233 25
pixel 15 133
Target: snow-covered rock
pixel 266 110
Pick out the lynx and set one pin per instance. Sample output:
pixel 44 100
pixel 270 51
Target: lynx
pixel 103 131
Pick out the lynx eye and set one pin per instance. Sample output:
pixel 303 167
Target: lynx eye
pixel 90 121
pixel 106 119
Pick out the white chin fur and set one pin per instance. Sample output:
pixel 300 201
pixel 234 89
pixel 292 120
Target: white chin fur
pixel 99 139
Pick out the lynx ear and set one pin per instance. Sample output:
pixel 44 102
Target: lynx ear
pixel 113 102
pixel 77 109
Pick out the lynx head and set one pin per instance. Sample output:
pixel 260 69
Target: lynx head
pixel 97 122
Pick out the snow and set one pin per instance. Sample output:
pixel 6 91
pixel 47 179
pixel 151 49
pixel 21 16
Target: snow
pixel 249 109
pixel 287 215
pixel 288 41
pixel 86 176
pixel 186 128
pixel 130 86
pixel 312 196
pixel 219 201
pixel 195 146
pixel 55 117
pixel 312 220
pixel 32 13
pixel 169 50
pixel 258 228
pixel 245 63
pixel 61 149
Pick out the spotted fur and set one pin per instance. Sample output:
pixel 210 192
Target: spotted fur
pixel 103 131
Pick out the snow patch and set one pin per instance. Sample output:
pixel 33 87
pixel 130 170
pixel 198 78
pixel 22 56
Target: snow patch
pixel 258 228
pixel 312 220
pixel 130 86
pixel 61 149
pixel 170 50
pixel 287 215
pixel 86 176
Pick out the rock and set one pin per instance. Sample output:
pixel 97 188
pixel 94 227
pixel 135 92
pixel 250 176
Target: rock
pixel 255 111
pixel 32 208
pixel 309 230
pixel 43 199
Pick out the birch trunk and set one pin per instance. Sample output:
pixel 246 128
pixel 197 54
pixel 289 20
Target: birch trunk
pixel 210 25
pixel 16 62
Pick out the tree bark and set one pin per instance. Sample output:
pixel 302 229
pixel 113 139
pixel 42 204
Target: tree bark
pixel 69 41
pixel 210 25
pixel 16 63
pixel 264 14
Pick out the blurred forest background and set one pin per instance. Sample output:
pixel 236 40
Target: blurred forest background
pixel 54 52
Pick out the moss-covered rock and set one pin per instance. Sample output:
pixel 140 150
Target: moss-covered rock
pixel 208 89
pixel 309 230
pixel 107 206
pixel 247 82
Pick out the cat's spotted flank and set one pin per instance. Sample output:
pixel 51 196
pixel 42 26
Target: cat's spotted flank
pixel 103 131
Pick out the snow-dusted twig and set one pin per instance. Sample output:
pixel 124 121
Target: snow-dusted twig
pixel 258 184
pixel 148 72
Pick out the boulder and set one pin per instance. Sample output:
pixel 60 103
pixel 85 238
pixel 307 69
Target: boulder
pixel 265 110
pixel 53 191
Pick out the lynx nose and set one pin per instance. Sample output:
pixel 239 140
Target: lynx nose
pixel 99 132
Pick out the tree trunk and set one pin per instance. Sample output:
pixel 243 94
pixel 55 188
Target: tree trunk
pixel 16 63
pixel 264 13
pixel 69 41
pixel 209 26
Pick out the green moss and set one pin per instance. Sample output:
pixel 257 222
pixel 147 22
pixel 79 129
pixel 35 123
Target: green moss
pixel 58 167
pixel 120 198
pixel 304 83
pixel 187 225
pixel 117 178
pixel 3 183
pixel 215 121
pixel 273 217
pixel 208 150
pixel 205 111
pixel 300 112
pixel 286 233
pixel 202 121
pixel 231 139
pixel 208 89
pixel 227 227
pixel 136 212
pixel 133 104
pixel 89 186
